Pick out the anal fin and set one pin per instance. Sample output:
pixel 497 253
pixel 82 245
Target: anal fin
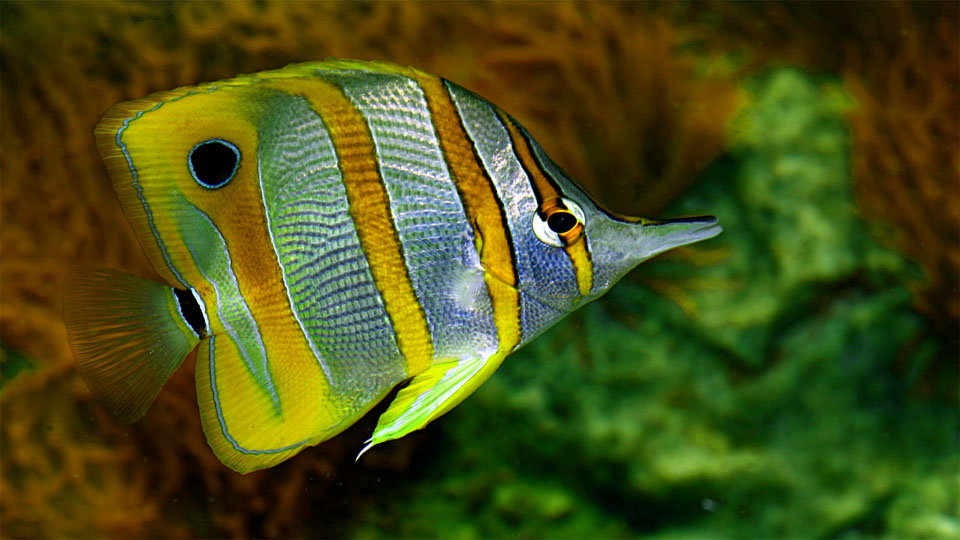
pixel 240 420
pixel 431 394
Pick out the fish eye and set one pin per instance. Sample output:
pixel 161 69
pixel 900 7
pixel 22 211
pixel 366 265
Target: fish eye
pixel 558 222
pixel 213 163
pixel 561 222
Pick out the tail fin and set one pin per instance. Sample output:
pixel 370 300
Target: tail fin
pixel 128 335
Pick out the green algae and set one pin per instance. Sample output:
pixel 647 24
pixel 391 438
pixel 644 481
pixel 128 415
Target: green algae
pixel 12 364
pixel 775 404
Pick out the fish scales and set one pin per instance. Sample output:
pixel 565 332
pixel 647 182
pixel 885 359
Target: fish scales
pixel 539 262
pixel 340 227
pixel 327 277
pixel 436 238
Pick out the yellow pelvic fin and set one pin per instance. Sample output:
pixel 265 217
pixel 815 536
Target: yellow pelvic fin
pixel 128 337
pixel 430 395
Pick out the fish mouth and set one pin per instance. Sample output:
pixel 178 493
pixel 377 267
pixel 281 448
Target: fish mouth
pixel 671 233
pixel 641 241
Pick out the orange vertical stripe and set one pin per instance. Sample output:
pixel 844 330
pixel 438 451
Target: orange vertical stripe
pixel 545 189
pixel 370 208
pixel 482 207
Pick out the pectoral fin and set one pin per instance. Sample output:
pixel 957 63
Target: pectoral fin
pixel 128 334
pixel 430 395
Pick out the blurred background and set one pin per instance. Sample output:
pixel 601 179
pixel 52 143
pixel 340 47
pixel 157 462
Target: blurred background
pixel 795 377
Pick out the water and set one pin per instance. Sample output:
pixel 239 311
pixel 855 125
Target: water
pixel 794 377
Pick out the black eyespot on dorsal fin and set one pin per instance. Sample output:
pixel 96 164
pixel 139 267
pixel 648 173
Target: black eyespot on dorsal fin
pixel 213 163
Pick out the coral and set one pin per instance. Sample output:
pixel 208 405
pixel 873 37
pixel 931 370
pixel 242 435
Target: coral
pixel 901 63
pixel 912 178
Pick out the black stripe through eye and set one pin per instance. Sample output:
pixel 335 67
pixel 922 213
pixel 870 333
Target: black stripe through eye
pixel 190 310
pixel 561 222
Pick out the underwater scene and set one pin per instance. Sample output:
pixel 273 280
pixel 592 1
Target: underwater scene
pixel 794 377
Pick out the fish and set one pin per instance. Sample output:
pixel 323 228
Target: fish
pixel 325 232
